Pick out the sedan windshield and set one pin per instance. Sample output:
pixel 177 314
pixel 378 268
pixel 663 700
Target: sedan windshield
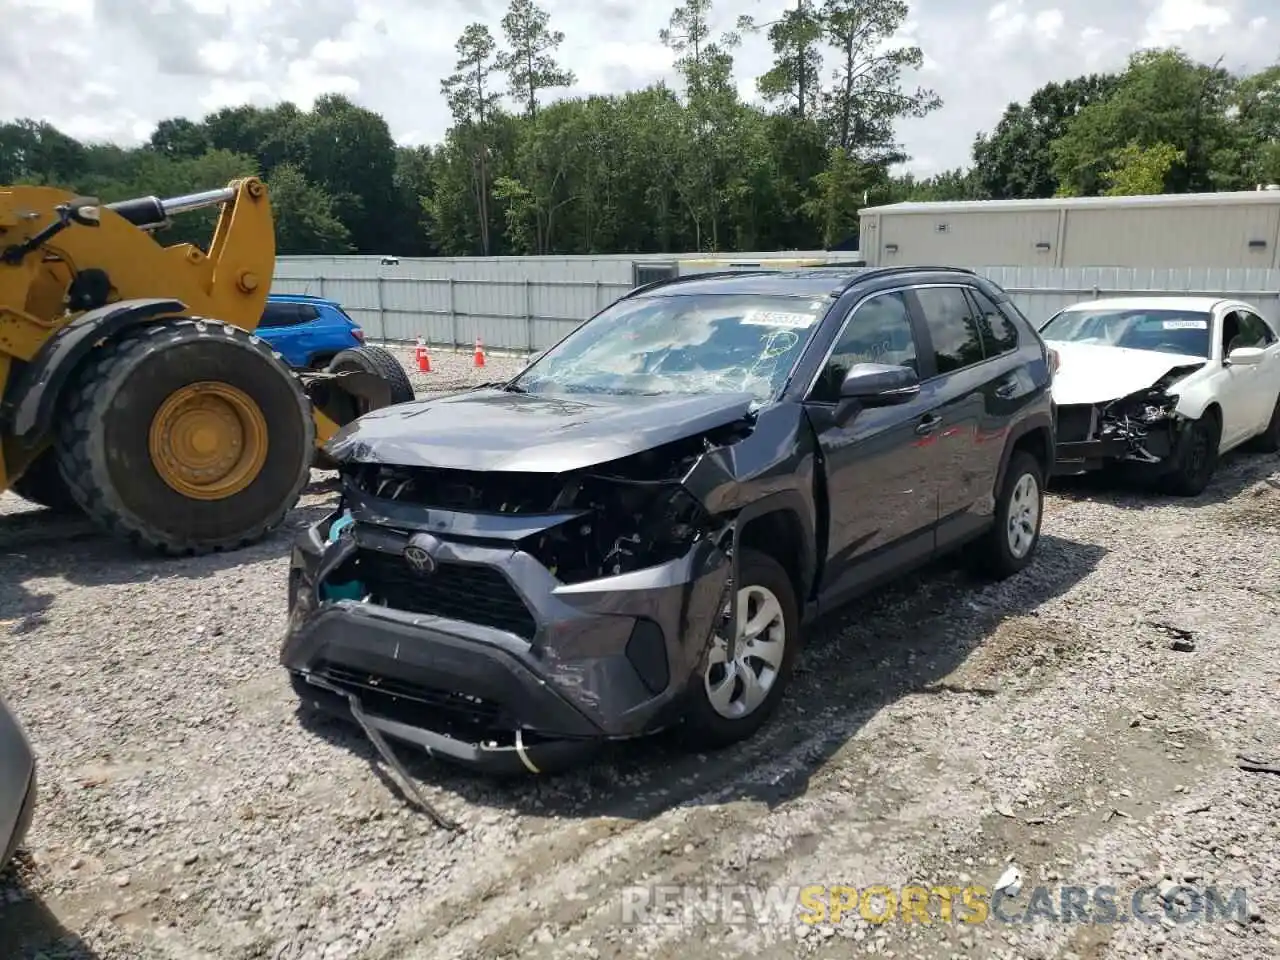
pixel 1164 331
pixel 708 343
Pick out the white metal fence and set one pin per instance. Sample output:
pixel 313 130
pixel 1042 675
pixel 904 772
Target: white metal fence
pixel 526 304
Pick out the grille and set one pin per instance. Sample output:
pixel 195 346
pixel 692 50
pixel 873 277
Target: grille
pixel 412 702
pixel 1074 421
pixel 460 591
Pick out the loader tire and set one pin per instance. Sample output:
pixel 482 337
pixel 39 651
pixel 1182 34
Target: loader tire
pixel 376 360
pixel 42 483
pixel 186 437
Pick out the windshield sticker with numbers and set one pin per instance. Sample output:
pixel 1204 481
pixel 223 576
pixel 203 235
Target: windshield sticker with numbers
pixel 1186 324
pixel 779 319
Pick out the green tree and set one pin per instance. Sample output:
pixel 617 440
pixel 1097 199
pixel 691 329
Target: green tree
pixel 867 97
pixel 838 197
pixel 795 36
pixel 1163 97
pixel 1014 161
pixel 528 62
pixel 473 103
pixel 707 134
pixel 305 218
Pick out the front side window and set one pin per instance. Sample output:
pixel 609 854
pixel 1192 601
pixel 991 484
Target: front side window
pixel 998 334
pixel 952 327
pixel 878 331
pixel 1252 331
pixel 1183 332
pixel 681 344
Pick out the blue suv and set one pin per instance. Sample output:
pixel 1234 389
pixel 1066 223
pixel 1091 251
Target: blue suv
pixel 307 331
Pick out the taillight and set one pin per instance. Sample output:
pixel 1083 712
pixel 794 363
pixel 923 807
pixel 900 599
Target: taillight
pixel 358 334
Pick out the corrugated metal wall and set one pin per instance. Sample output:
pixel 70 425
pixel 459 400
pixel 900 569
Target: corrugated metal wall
pixel 528 303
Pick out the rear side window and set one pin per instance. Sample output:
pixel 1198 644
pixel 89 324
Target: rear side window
pixel 956 341
pixel 879 331
pixel 287 314
pixel 998 334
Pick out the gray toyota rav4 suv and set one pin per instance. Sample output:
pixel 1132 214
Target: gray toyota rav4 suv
pixel 631 533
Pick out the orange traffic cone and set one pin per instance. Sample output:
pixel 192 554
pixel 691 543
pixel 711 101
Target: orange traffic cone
pixel 479 357
pixel 423 359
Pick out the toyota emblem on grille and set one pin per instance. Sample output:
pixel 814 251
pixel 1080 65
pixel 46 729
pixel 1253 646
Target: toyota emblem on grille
pixel 420 553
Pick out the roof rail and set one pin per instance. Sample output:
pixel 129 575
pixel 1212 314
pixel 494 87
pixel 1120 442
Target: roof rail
pixel 667 281
pixel 300 296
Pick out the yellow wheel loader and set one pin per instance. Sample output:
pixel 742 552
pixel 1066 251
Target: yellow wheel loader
pixel 133 387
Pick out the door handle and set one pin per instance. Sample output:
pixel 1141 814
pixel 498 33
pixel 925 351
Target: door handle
pixel 1006 391
pixel 928 423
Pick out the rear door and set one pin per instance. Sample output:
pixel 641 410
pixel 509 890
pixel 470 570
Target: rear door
pixel 881 485
pixel 280 325
pixel 959 385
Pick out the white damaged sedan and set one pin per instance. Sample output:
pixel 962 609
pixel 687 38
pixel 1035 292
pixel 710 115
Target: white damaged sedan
pixel 1163 383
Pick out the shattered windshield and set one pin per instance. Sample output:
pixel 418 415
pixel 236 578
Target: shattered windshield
pixel 708 343
pixel 1165 331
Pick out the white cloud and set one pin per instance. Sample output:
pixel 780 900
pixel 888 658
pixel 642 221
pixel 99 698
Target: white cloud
pixel 125 64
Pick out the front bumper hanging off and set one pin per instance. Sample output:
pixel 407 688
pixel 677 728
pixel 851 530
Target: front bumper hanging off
pixel 512 671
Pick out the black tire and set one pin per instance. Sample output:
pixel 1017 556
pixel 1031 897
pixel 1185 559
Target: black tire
pixel 707 729
pixel 102 437
pixel 995 554
pixel 1269 440
pixel 1195 457
pixel 42 483
pixel 376 360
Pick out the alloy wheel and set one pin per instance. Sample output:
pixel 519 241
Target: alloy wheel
pixel 1024 515
pixel 737 687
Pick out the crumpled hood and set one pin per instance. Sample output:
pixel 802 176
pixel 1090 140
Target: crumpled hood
pixel 491 429
pixel 1093 373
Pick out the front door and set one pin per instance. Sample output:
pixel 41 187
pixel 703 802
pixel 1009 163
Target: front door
pixel 878 464
pixel 1240 382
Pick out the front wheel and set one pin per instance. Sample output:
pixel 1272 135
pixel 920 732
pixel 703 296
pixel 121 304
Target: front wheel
pixel 734 695
pixel 1195 457
pixel 186 437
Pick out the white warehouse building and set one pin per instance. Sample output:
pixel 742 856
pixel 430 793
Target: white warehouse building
pixel 1198 230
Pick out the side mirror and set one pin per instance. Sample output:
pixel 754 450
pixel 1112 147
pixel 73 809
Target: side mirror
pixel 879 384
pixel 1245 356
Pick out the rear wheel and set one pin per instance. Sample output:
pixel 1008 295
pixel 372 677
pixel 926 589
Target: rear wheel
pixel 42 483
pixel 1269 440
pixel 376 360
pixel 343 408
pixel 1011 543
pixel 186 437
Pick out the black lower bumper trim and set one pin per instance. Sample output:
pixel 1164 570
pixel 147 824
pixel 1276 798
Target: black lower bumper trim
pixel 540 755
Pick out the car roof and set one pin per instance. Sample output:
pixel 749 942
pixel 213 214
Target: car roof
pixel 795 282
pixel 299 298
pixel 1155 302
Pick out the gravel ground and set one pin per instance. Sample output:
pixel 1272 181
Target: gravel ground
pixel 1081 721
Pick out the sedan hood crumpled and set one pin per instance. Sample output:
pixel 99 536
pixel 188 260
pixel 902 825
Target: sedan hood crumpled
pixel 492 429
pixel 1095 373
